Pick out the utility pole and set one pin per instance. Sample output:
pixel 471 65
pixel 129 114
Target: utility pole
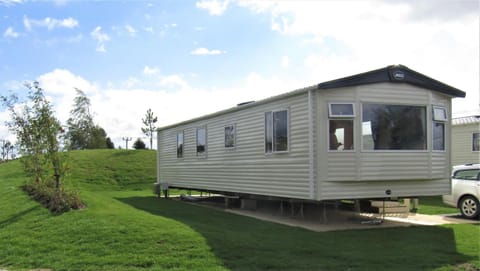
pixel 126 141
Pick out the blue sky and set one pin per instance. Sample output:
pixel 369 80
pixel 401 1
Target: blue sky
pixel 188 58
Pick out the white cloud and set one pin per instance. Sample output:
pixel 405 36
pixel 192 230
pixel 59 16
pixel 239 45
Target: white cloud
pixel 205 51
pixel 10 33
pixel 150 71
pixel 149 29
pixel 101 38
pixel 372 34
pixel 11 2
pixel 214 7
pixel 50 23
pixel 60 85
pixel 120 110
pixel 285 63
pixel 132 31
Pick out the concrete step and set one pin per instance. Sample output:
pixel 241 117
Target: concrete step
pixel 388 204
pixel 393 210
pixel 388 207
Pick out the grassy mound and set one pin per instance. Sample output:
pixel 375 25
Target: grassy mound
pixel 114 168
pixel 125 227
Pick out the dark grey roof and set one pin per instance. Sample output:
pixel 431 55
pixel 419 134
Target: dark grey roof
pixel 393 74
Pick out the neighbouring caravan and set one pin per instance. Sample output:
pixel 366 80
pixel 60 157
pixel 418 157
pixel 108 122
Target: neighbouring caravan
pixel 466 140
pixel 383 133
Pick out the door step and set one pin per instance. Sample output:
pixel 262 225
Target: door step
pixel 388 208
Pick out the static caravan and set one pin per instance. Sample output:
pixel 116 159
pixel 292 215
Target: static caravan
pixel 383 133
pixel 466 140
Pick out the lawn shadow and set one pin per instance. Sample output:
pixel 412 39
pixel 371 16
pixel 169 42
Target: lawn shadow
pixel 14 218
pixel 244 243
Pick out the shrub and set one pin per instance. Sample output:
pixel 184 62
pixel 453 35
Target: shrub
pixel 56 200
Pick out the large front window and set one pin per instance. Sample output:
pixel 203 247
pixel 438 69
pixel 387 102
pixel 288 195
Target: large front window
pixel 393 127
pixel 276 131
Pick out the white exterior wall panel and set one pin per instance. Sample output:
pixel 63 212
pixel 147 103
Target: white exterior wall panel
pixel 462 152
pixel 245 168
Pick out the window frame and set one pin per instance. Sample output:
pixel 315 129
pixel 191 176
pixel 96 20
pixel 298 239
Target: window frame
pixel 330 110
pixel 234 126
pixel 346 117
pixel 477 137
pixel 272 113
pixel 442 120
pixel 435 117
pixel 362 142
pixel 180 155
pixel 444 136
pixel 204 152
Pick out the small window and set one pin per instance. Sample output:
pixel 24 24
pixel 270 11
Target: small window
pixel 201 141
pixel 276 131
pixel 230 136
pixel 439 113
pixel 180 144
pixel 438 136
pixel 341 135
pixel 341 110
pixel 476 142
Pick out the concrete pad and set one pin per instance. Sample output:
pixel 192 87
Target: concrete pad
pixel 346 220
pixel 334 219
pixel 433 220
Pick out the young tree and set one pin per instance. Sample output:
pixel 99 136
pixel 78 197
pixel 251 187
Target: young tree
pixel 139 144
pixel 149 122
pixel 82 131
pixel 7 149
pixel 109 143
pixel 38 134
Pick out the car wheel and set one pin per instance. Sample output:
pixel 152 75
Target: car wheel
pixel 469 207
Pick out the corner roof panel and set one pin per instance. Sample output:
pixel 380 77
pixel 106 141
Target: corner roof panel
pixel 393 74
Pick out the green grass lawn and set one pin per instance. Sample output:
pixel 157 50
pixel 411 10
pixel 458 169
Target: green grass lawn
pixel 435 206
pixel 125 227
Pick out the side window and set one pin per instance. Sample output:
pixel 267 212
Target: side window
pixel 439 118
pixel 201 141
pixel 230 136
pixel 467 174
pixel 476 142
pixel 276 131
pixel 180 144
pixel 340 126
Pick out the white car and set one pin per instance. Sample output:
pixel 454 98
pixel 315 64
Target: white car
pixel 465 190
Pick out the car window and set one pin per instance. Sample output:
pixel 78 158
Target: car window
pixel 467 174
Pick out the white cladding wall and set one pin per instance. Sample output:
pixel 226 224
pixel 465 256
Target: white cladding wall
pixel 246 168
pixel 331 175
pixel 368 174
pixel 462 144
